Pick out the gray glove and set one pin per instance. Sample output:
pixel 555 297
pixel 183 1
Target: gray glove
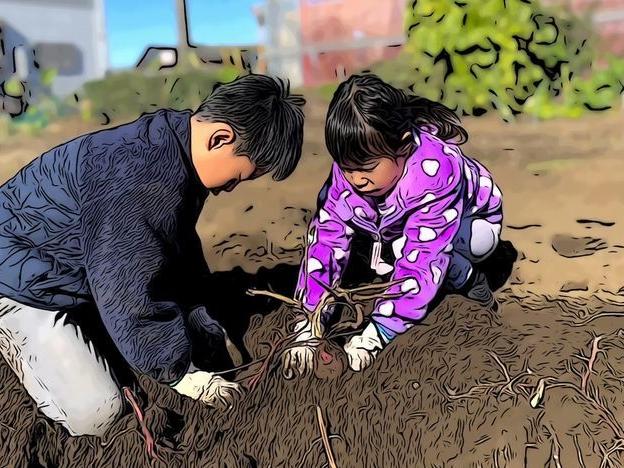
pixel 210 389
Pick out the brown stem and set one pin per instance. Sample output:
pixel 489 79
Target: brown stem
pixel 590 364
pixel 150 444
pixel 501 365
pixel 607 415
pixel 106 443
pixel 6 426
pixel 323 428
pixel 556 447
pixel 579 454
pixel 273 295
pixel 582 323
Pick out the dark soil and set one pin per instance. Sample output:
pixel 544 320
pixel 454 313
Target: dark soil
pixel 438 396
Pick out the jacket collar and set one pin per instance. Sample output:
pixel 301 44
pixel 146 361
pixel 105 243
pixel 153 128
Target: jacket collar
pixel 180 124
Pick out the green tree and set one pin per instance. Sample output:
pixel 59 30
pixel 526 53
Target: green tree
pixel 477 55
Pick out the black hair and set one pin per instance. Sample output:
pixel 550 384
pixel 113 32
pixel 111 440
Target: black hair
pixel 368 118
pixel 266 118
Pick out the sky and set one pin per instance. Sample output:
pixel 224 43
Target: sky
pixel 131 26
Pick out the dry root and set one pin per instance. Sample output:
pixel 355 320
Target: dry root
pixel 353 299
pixel 331 461
pixel 585 392
pixel 509 386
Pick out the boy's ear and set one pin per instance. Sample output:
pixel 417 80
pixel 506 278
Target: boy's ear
pixel 224 135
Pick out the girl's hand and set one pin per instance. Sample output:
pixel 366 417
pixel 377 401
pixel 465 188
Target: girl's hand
pixel 298 360
pixel 210 389
pixel 363 349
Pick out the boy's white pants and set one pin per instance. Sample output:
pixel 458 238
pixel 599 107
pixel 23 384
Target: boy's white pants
pixel 60 371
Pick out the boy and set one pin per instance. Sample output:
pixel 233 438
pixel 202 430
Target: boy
pixel 107 222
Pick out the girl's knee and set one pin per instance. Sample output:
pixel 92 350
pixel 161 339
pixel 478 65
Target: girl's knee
pixel 484 238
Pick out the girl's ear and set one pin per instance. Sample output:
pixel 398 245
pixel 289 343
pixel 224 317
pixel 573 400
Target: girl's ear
pixel 407 143
pixel 221 137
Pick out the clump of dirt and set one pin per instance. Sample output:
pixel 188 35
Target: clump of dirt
pixel 456 391
pixel 570 286
pixel 571 247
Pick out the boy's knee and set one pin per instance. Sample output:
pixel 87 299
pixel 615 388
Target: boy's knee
pixel 96 415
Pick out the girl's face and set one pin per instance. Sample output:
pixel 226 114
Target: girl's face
pixel 378 178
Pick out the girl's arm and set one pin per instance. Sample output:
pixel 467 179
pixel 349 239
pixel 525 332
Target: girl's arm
pixel 422 267
pixel 327 251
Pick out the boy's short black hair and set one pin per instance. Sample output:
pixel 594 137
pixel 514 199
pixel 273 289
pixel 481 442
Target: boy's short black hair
pixel 267 120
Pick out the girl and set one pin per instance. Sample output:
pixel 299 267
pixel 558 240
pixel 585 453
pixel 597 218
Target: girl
pixel 400 178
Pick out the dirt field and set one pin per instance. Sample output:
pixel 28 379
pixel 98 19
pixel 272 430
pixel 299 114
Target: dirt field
pixel 454 392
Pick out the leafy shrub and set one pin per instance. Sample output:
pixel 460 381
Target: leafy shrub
pixel 38 116
pixel 131 93
pixel 510 56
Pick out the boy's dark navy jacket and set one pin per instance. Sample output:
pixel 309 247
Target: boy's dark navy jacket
pixel 109 219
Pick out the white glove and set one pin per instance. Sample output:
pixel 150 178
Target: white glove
pixel 299 359
pixel 210 389
pixel 363 349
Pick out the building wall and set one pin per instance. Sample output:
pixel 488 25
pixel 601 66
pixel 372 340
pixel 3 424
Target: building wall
pixel 282 32
pixel 66 32
pixel 608 19
pixel 341 37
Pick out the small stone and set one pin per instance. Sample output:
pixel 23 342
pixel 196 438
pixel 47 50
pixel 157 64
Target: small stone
pixel 569 286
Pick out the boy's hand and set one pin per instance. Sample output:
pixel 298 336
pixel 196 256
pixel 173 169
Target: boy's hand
pixel 210 389
pixel 363 349
pixel 299 359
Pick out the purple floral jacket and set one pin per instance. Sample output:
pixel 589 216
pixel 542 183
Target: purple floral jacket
pixel 421 216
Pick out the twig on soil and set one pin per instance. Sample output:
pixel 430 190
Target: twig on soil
pixel 285 299
pixel 503 386
pixel 593 400
pixel 323 428
pixel 495 456
pixel 237 368
pixel 555 451
pixel 590 363
pixel 591 318
pixel 313 443
pixel 501 365
pixel 106 443
pixel 589 394
pixel 6 426
pixel 351 298
pixel 255 379
pixel 618 446
pixel 150 444
pixel 579 454
pixel 528 445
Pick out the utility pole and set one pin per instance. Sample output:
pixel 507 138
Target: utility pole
pixel 184 42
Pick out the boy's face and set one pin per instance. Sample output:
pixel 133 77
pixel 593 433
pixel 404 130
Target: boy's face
pixel 378 178
pixel 213 147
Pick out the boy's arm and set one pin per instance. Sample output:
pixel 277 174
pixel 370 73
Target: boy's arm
pixel 327 251
pixel 422 267
pixel 124 254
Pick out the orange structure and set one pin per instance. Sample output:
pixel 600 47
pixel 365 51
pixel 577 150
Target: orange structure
pixel 340 37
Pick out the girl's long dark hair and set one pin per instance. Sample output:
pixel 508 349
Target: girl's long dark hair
pixel 368 118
